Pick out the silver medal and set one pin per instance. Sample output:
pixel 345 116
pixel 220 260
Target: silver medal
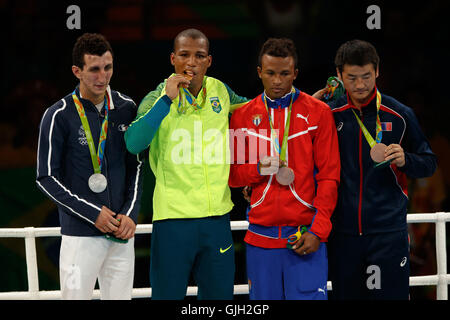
pixel 97 182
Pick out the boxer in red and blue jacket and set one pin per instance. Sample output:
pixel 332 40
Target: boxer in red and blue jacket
pixel 368 247
pixel 273 270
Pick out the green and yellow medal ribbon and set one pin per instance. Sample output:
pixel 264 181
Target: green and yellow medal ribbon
pixel 96 156
pixel 280 150
pixel 186 99
pixel 378 131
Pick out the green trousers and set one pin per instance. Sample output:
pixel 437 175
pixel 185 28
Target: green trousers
pixel 203 246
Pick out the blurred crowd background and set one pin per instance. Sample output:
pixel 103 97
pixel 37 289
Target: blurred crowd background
pixel 36 72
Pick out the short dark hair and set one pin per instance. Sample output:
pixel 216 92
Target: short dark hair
pixel 279 47
pixel 89 43
pixel 193 34
pixel 356 52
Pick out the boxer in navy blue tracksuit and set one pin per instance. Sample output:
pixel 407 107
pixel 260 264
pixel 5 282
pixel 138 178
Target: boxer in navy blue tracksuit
pixel 368 246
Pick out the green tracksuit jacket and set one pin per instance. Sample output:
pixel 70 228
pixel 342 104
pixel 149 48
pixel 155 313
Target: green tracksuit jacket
pixel 189 150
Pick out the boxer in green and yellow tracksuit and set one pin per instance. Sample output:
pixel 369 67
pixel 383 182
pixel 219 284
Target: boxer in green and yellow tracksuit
pixel 185 122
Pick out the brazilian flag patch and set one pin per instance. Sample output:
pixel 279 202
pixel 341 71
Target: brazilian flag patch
pixel 215 104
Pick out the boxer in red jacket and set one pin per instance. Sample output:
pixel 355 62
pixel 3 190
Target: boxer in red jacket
pixel 284 146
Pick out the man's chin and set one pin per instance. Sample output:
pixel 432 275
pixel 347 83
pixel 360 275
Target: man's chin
pixel 276 94
pixel 361 98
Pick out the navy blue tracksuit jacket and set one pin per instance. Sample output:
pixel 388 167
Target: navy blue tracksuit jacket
pixel 374 200
pixel 65 165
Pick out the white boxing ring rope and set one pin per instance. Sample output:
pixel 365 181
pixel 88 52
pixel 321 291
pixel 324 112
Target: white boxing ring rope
pixel 441 279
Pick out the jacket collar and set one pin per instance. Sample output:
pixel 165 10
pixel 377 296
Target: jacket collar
pixel 108 92
pixel 372 97
pixel 282 102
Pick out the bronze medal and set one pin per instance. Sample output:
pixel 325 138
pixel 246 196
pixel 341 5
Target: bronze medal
pixel 377 152
pixel 285 176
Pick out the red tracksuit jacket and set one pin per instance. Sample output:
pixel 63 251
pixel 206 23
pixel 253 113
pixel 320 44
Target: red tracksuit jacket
pixel 312 153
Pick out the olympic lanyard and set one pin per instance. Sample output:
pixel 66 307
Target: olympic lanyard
pixel 96 156
pixel 378 131
pixel 187 99
pixel 281 151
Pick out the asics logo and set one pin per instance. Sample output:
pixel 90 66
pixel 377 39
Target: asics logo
pixel 403 262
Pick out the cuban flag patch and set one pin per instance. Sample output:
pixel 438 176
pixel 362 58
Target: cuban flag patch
pixel 386 126
pixel 257 119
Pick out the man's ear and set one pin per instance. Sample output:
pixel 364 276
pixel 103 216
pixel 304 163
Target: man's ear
pixel 172 58
pixel 76 71
pixel 339 74
pixel 295 74
pixel 259 70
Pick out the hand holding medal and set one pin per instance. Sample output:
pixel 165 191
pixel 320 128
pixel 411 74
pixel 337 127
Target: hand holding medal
pixel 269 165
pixel 395 154
pixel 285 175
pixel 377 149
pixel 174 84
pixel 187 102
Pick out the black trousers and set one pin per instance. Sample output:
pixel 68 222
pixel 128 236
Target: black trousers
pixel 369 267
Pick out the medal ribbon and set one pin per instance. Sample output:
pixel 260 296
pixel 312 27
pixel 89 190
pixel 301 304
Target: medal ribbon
pixel 378 131
pixel 96 156
pixel 187 99
pixel 281 151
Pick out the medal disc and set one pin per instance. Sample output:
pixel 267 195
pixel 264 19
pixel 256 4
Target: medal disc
pixel 97 182
pixel 377 152
pixel 285 176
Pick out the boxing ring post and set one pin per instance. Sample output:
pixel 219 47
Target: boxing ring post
pixel 441 251
pixel 31 260
pixel 442 279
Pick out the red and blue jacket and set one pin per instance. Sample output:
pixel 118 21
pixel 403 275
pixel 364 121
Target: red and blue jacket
pixel 374 200
pixel 313 154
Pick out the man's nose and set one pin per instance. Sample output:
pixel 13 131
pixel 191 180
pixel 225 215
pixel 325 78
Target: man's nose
pixel 360 83
pixel 191 61
pixel 277 79
pixel 103 75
